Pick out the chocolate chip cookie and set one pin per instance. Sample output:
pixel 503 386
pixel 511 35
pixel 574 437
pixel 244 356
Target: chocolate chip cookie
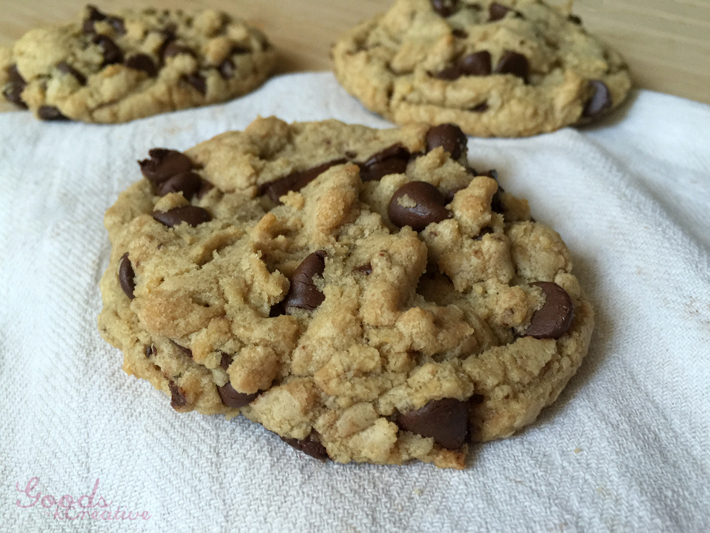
pixel 507 69
pixel 365 294
pixel 111 68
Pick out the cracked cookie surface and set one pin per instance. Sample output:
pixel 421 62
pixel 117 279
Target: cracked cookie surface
pixel 363 293
pixel 111 68
pixel 508 69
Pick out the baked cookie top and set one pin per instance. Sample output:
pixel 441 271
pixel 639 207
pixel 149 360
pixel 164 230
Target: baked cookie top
pixel 111 68
pixel 363 293
pixel 496 69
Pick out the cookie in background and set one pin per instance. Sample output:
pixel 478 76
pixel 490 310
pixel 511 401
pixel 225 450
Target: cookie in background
pixel 110 68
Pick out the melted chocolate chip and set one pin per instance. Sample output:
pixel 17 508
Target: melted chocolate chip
pixel 111 52
pixel 449 137
pixel 445 420
pixel 197 81
pixel 150 350
pixel 226 361
pixel 392 160
pixel 177 397
pixel 142 62
pixel 429 206
pixel 66 68
pixel 164 164
pixel 126 276
pixel 16 84
pixel 515 64
pixel 475 64
pixel 444 7
pixel 574 19
pixel 459 34
pixel 232 398
pixel 555 317
pixel 188 183
pixel 309 446
pixel 227 69
pixel 295 181
pixel 190 214
pixel 600 102
pixel 303 293
pixel 49 112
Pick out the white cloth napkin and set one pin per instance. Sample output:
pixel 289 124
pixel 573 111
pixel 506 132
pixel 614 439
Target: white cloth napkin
pixel 625 448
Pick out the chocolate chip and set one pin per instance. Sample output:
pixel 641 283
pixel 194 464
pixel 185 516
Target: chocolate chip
pixel 177 397
pixel 574 19
pixel 497 12
pixel 197 81
pixel 444 7
pixel 232 398
pixel 515 64
pixel 484 231
pixel 226 69
pixel 496 202
pixel 190 214
pixel 480 108
pixel 555 317
pixel 117 24
pixel 150 350
pixel 66 68
pixel 164 164
pixel 205 187
pixel 187 182
pixel 445 420
pixel 429 206
pixel 350 154
pixel 126 276
pixel 459 34
pixel 295 181
pixel 240 50
pixel 171 48
pixel 16 84
pixel 475 64
pixel 392 160
pixel 112 53
pixel 303 293
pixel 309 446
pixel 93 16
pixel 449 137
pixel 449 197
pixel 49 112
pixel 142 62
pixel 600 102
pixel 226 361
pixel 185 351
pixel 493 173
pixel 365 269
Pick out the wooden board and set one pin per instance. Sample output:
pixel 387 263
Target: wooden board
pixel 666 42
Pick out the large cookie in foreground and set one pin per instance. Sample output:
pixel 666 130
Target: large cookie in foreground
pixel 115 68
pixel 363 293
pixel 496 69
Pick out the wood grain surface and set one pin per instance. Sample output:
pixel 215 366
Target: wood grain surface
pixel 666 42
